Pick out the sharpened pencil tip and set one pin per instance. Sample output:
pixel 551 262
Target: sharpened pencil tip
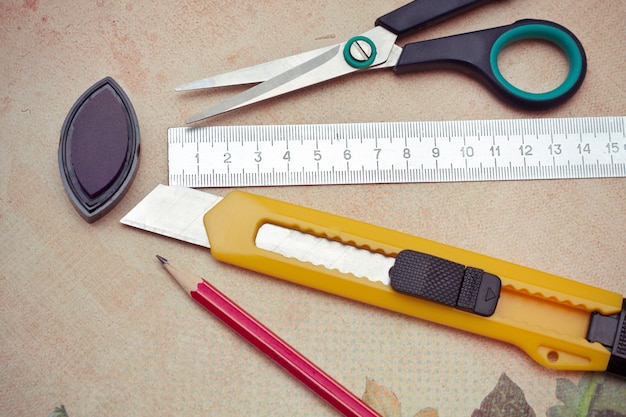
pixel 162 260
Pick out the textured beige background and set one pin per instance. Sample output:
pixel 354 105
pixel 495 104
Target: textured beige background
pixel 88 318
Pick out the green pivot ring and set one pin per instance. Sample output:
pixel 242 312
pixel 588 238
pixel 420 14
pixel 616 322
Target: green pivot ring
pixel 544 32
pixel 353 62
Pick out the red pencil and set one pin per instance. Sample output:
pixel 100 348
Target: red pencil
pixel 269 343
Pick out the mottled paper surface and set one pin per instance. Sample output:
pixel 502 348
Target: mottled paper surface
pixel 88 318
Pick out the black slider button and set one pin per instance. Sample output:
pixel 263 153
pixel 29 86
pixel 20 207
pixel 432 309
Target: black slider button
pixel 445 282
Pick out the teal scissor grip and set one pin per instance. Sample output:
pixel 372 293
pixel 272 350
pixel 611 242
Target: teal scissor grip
pixel 552 34
pixel 476 53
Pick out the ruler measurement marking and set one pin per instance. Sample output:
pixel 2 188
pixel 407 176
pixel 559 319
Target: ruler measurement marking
pixel 398 152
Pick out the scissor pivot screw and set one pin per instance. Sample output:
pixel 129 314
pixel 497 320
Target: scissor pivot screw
pixel 360 52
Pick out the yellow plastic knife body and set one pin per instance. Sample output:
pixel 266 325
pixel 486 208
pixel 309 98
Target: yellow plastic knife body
pixel 546 316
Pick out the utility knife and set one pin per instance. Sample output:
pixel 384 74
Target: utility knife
pixel 560 323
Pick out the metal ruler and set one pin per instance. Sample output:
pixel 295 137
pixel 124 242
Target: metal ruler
pixel 397 152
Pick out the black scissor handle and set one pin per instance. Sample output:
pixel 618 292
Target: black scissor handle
pixel 420 14
pixel 476 53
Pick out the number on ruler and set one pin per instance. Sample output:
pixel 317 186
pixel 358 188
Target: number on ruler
pixel 526 150
pixel 612 147
pixel 555 149
pixel 584 148
pixel 467 151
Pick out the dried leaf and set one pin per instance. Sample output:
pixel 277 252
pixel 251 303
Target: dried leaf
pixel 596 395
pixel 610 397
pixel 506 400
pixel 381 399
pixel 58 412
pixel 427 412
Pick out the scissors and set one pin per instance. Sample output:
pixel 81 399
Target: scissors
pixel 474 53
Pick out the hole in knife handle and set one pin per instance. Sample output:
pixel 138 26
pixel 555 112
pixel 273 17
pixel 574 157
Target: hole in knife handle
pixel 325 251
pixel 553 356
pixel 556 357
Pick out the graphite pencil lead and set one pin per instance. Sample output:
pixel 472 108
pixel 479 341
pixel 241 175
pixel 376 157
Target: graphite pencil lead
pixel 187 280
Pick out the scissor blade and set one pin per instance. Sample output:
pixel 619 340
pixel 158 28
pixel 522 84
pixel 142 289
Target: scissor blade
pixel 318 69
pixel 254 74
pixel 326 66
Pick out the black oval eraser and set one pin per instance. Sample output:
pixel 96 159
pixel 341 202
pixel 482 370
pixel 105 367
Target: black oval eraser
pixel 99 149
